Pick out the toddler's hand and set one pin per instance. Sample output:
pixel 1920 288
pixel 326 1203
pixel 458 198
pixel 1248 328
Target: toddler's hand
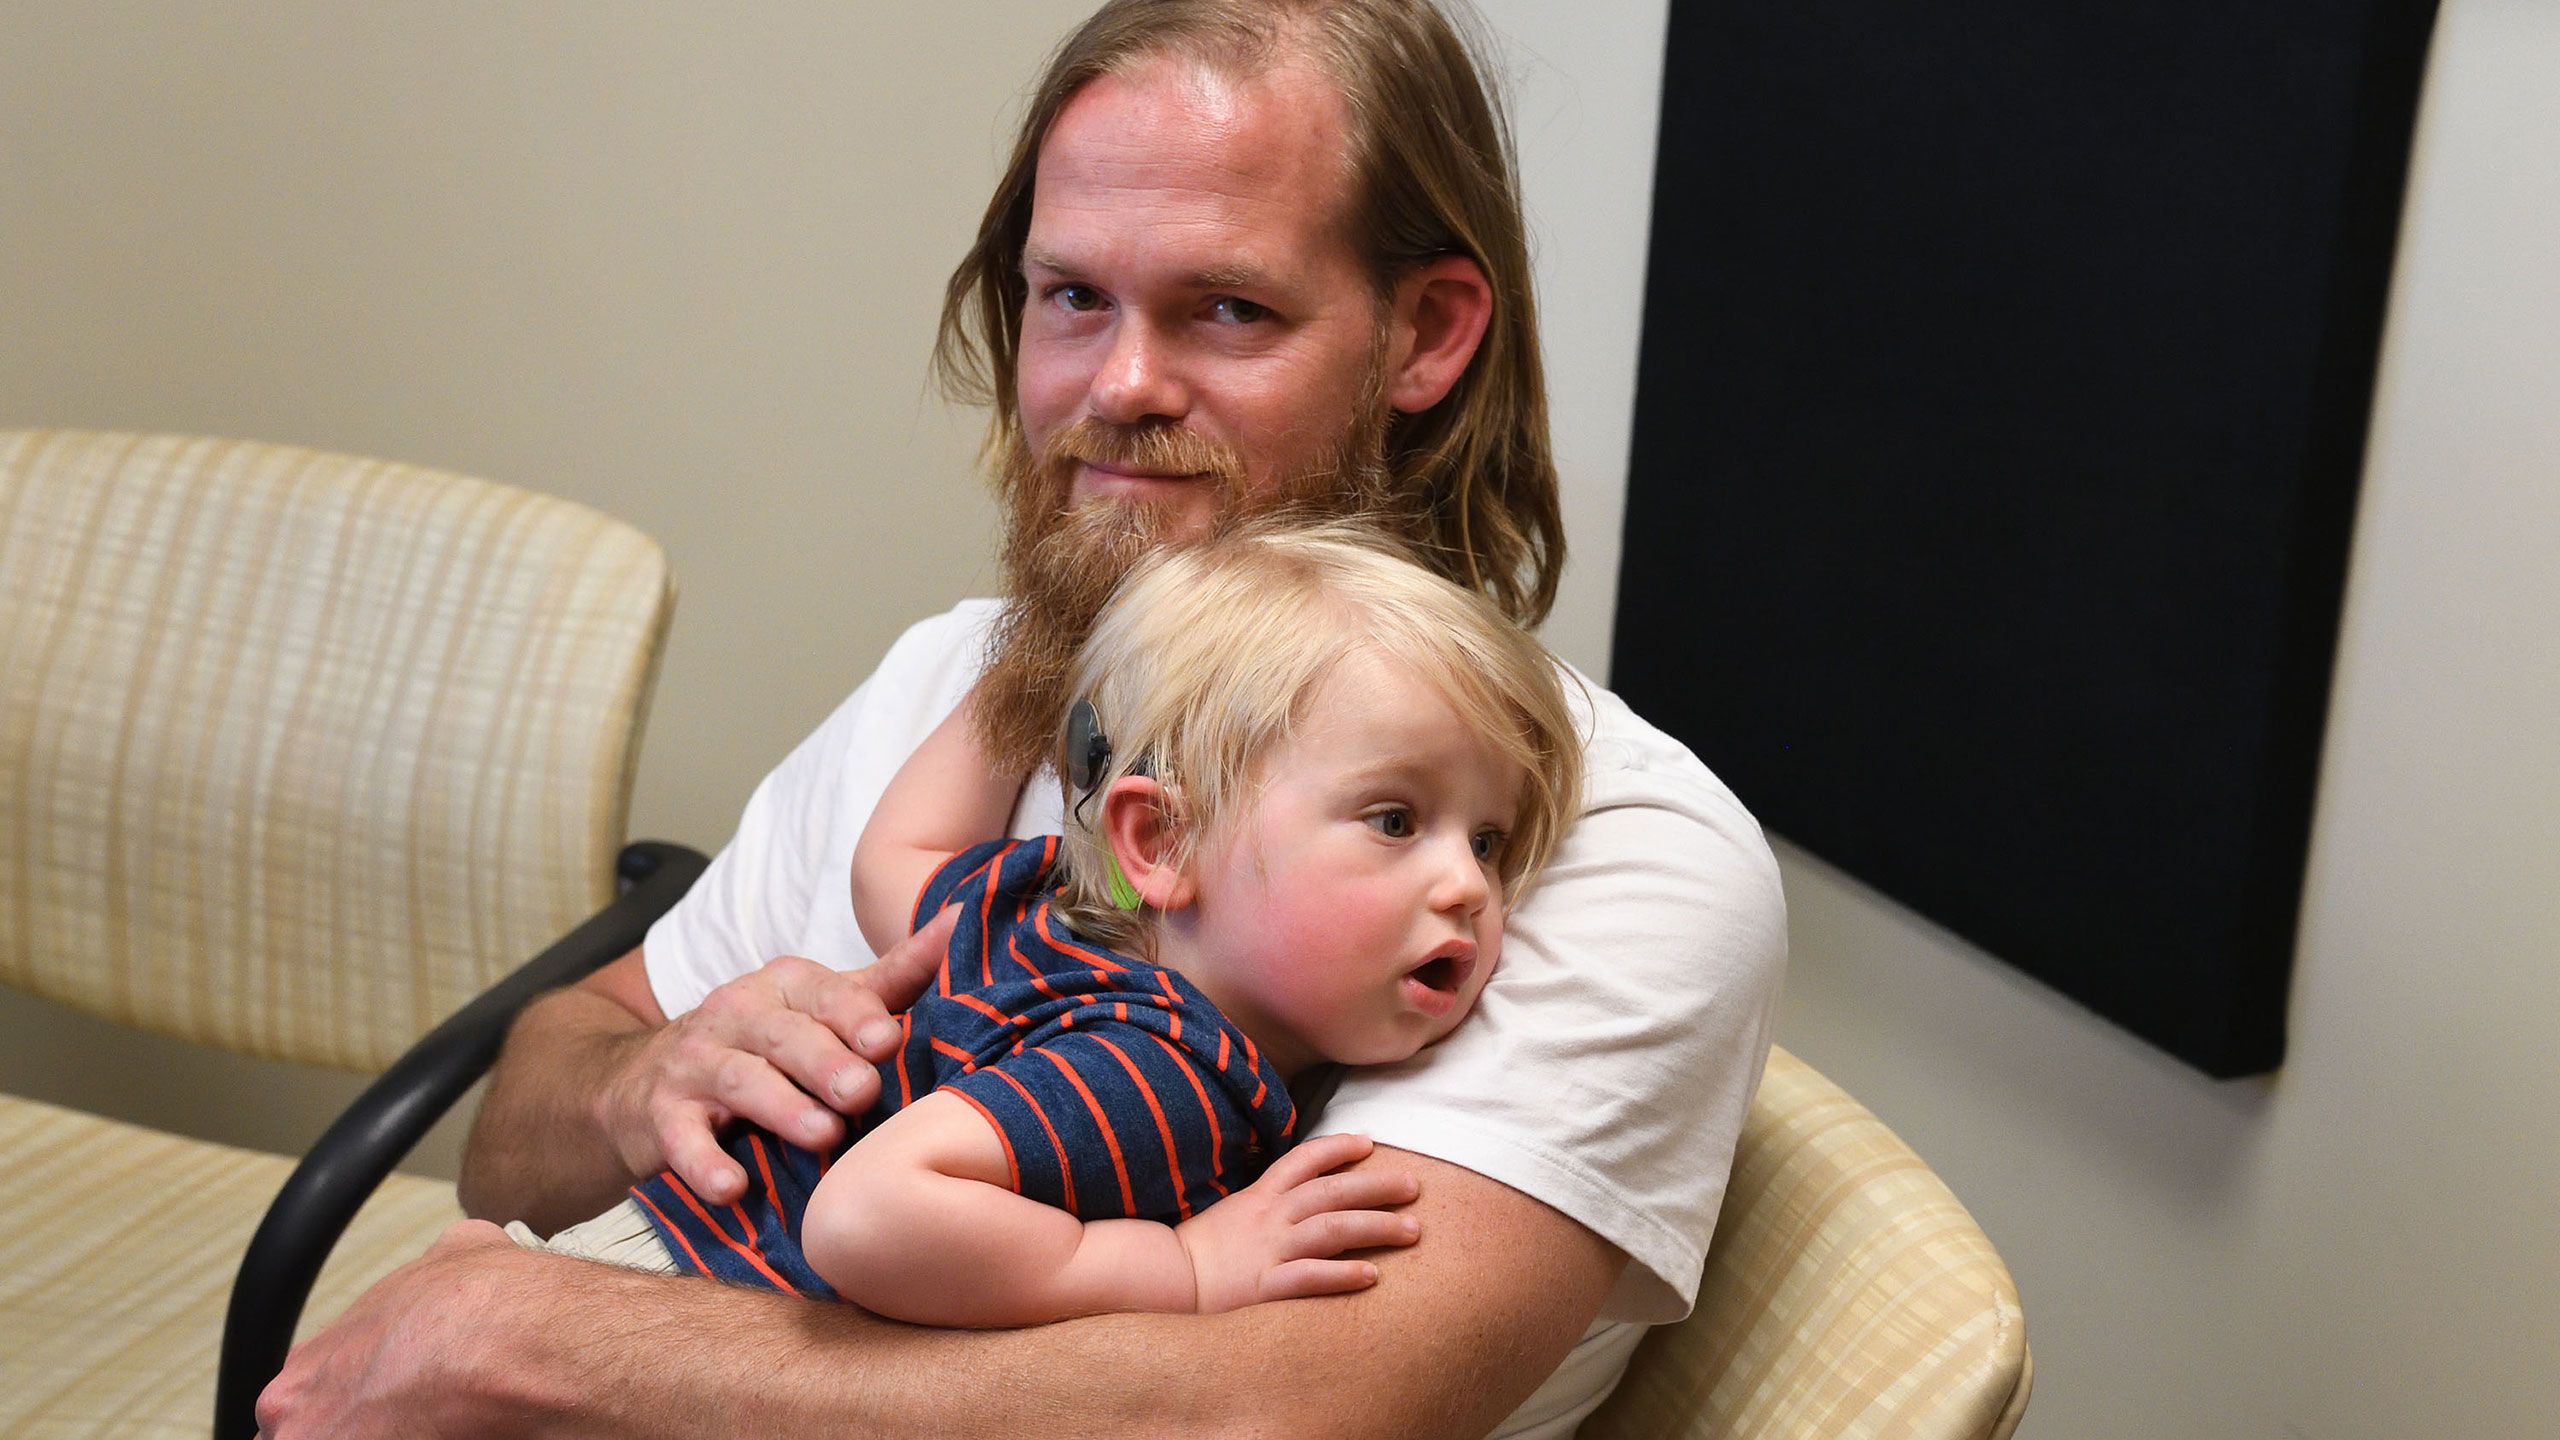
pixel 1278 1238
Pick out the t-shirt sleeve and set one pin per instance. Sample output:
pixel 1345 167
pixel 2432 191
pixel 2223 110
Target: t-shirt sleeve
pixel 749 904
pixel 1110 1120
pixel 783 883
pixel 1610 1060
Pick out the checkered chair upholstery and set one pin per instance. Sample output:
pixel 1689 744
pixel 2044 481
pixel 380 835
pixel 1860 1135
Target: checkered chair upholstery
pixel 1848 1296
pixel 298 753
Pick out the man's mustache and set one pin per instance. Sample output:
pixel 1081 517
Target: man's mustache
pixel 1154 447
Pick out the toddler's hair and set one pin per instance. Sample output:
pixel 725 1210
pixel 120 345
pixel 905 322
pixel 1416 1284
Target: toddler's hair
pixel 1209 651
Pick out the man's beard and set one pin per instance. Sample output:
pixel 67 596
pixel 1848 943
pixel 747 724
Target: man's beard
pixel 1062 561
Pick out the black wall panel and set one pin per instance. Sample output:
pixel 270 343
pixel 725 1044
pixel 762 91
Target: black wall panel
pixel 2003 393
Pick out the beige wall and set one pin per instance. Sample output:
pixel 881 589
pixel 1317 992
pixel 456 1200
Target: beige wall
pixel 684 268
pixel 2362 1246
pixel 679 262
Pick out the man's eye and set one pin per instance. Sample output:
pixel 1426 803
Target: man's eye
pixel 1237 311
pixel 1078 298
pixel 1395 824
pixel 1488 844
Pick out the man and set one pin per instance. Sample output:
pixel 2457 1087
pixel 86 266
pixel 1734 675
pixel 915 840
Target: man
pixel 1245 254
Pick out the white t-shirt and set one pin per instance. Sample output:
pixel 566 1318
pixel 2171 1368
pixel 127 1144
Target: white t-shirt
pixel 1605 1069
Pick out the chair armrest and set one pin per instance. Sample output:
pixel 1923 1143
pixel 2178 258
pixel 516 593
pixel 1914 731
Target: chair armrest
pixel 376 1132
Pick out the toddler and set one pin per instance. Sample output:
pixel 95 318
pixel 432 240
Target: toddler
pixel 1304 778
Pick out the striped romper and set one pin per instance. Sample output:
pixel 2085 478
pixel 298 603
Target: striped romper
pixel 1117 1088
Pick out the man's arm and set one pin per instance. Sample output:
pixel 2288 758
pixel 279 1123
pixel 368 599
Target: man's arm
pixel 480 1338
pixel 574 1111
pixel 536 1152
pixel 595 1088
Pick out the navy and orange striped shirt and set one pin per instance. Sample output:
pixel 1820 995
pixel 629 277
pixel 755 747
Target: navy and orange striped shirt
pixel 1117 1087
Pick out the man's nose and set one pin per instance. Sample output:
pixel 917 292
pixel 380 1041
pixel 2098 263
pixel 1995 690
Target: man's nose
pixel 1139 379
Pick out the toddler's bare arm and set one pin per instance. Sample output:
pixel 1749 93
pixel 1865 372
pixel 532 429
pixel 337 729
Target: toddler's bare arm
pixel 917 1222
pixel 946 798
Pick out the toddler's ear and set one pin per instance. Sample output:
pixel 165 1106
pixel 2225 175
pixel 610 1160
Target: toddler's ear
pixel 1138 824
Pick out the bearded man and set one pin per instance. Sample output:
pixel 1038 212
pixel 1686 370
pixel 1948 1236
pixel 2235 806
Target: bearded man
pixel 1246 254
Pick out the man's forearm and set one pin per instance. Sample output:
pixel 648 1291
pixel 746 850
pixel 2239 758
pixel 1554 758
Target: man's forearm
pixel 536 1151
pixel 1457 1332
pixel 688 1357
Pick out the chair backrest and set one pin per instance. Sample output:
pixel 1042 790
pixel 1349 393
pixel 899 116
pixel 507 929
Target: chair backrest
pixel 1847 1293
pixel 300 751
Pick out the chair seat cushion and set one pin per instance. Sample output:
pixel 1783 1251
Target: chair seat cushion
pixel 117 1249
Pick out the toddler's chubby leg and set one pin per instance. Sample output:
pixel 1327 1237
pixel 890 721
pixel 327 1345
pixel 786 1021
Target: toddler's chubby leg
pixel 620 1236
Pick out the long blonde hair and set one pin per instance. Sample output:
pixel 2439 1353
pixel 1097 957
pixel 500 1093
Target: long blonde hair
pixel 1209 651
pixel 1433 175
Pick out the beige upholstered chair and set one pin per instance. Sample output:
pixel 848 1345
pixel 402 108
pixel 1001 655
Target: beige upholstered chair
pixel 298 754
pixel 1847 1294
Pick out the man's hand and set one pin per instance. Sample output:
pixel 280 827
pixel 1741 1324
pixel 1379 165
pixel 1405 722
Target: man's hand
pixel 791 1047
pixel 382 1367
pixel 1280 1237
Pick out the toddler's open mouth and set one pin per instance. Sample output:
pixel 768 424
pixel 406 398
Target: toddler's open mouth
pixel 1434 985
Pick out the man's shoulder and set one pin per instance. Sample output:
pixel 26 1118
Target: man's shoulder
pixel 1624 752
pixel 925 671
pixel 956 638
pixel 1650 803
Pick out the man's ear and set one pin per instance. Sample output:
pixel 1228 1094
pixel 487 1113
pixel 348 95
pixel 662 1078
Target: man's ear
pixel 1138 824
pixel 1437 319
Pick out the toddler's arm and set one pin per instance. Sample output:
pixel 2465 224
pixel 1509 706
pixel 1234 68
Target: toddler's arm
pixel 946 798
pixel 916 1223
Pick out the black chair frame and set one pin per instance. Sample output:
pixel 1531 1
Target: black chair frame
pixel 377 1131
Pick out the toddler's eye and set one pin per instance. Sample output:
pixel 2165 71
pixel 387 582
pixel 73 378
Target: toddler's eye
pixel 1395 824
pixel 1489 843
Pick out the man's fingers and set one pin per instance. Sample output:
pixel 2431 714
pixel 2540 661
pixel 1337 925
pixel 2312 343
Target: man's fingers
pixel 753 1088
pixel 695 1155
pixel 772 1048
pixel 853 1030
pixel 1336 1231
pixel 1315 1157
pixel 860 1008
pixel 1301 1278
pixel 1350 1190
pixel 835 1033
pixel 754 1027
pixel 812 1055
pixel 898 977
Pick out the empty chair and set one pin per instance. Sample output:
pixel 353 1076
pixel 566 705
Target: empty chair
pixel 298 754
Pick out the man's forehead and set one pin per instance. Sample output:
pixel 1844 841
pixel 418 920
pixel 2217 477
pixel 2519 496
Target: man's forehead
pixel 1260 154
pixel 1174 103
